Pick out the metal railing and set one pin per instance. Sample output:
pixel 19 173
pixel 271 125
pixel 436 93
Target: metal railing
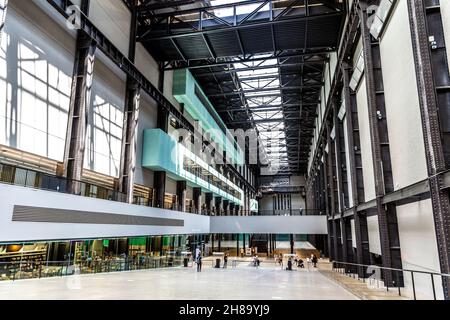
pixel 14 175
pixel 30 269
pixel 287 212
pixel 18 176
pixel 360 272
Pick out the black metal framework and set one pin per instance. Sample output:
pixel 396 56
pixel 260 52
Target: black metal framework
pixel 130 122
pixel 387 216
pixel 350 35
pixel 80 103
pixel 356 174
pixel 220 48
pixel 162 123
pixel 433 82
pixel 103 44
pixel 178 32
pixel 3 10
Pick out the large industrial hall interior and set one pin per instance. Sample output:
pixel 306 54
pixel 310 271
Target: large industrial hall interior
pixel 224 150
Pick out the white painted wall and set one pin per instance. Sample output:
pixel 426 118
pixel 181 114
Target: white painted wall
pixel 402 101
pixel 352 224
pixel 270 224
pixel 168 88
pixel 297 181
pixel 445 11
pixel 171 186
pixel 36 65
pixel 113 19
pixel 419 246
pixel 298 202
pixel 374 235
pixel 146 64
pixel 189 193
pixel 147 120
pixel 104 134
pixel 366 149
pixel 266 203
pixel 25 231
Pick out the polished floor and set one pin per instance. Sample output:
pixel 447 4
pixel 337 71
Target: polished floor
pixel 242 283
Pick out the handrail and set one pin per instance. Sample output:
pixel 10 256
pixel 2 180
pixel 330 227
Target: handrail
pixel 337 264
pixel 393 269
pixel 30 178
pixel 16 175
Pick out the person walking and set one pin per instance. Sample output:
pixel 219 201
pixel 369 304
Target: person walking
pixel 225 261
pixel 314 260
pixel 199 262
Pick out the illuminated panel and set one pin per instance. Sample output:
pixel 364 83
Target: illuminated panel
pixel 162 153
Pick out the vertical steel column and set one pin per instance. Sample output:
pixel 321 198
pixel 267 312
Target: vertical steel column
pixel 338 158
pixel 231 209
pixel 324 172
pixel 226 206
pixel 163 124
pixel 291 238
pixel 218 206
pixel 387 216
pixel 355 168
pixel 197 195
pixel 209 197
pixel 129 140
pixel 3 10
pixel 348 239
pixel 181 195
pixel 237 208
pixel 332 192
pixel 430 106
pixel 340 177
pixel 80 102
pixel 130 121
pixel 160 188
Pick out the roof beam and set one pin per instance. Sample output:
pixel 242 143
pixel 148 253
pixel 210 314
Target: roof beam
pixel 264 107
pixel 167 4
pixel 221 28
pixel 282 61
pixel 226 94
pixel 262 121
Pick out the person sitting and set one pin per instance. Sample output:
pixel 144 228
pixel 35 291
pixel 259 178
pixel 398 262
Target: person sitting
pixel 300 263
pixel 289 265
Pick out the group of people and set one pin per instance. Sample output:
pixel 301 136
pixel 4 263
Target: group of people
pixel 297 261
pixel 199 260
pixel 256 261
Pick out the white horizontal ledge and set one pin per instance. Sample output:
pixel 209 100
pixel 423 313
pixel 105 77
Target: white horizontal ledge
pixel 270 225
pixel 29 215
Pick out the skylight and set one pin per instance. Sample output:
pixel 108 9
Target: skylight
pixel 243 9
pixel 260 82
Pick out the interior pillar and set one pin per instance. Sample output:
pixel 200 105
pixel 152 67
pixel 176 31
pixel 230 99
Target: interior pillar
pixel 80 103
pixel 209 197
pixel 163 124
pixel 130 122
pixel 197 195
pixel 181 195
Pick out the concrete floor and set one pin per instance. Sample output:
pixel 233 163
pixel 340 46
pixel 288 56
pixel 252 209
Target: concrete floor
pixel 242 283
